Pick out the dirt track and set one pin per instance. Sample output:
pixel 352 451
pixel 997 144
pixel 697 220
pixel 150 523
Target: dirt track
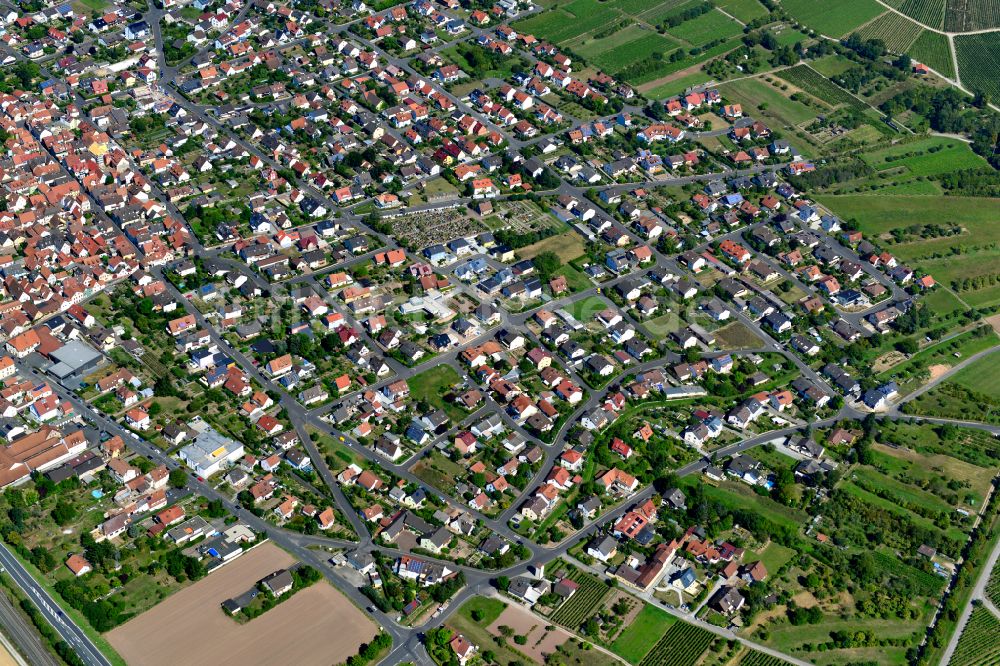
pixel 317 626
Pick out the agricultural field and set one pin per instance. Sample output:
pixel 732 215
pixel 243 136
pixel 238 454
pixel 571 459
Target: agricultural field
pixel 317 625
pixel 928 12
pixel 993 587
pixel 639 637
pixel 706 28
pixel 622 48
pixel 965 15
pixel 682 645
pixel 897 32
pixel 980 641
pixel 834 18
pixel 806 78
pixel 574 611
pixel 744 10
pixel 932 49
pixel 755 658
pixel 979 61
pixel 569 21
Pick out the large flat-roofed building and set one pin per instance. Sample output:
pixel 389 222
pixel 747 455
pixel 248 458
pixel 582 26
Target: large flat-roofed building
pixel 74 358
pixel 210 452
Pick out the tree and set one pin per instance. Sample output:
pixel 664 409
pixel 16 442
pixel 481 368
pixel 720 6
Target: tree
pixel 178 478
pixel 547 263
pixel 63 513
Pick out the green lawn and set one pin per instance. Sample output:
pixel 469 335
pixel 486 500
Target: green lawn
pixel 576 280
pixel 638 638
pixel 586 308
pixel 489 608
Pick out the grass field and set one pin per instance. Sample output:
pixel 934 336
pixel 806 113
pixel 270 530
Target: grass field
pixel 432 385
pixel 931 469
pixel 979 61
pixel 944 353
pixel 878 215
pixel 740 495
pixel 489 609
pixel 774 556
pixel 677 86
pixel 902 492
pixel 892 506
pixel 982 376
pixel 795 639
pixel 568 246
pixel 834 18
pixel 926 157
pixel 773 105
pixel 638 638
pixel 931 48
pixel 831 65
pixel 737 336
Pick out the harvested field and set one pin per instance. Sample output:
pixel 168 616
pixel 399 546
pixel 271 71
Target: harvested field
pixel 317 626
